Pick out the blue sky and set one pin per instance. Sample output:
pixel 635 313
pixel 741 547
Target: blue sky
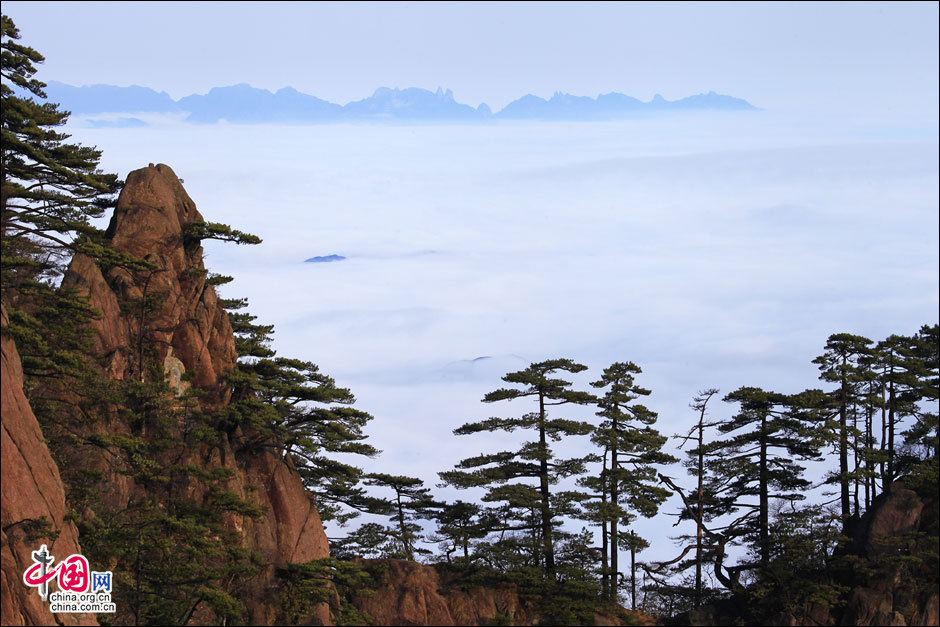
pixel 866 59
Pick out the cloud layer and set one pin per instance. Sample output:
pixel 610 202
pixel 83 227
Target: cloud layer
pixel 712 251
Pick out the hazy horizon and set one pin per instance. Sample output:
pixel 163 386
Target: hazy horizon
pixel 789 57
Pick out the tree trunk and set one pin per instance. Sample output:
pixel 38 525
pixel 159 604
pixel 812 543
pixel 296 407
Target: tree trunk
pixel 890 477
pixel 633 576
pixel 548 547
pixel 615 503
pixel 856 478
pixel 605 573
pixel 698 519
pixel 844 449
pixel 405 540
pixel 764 513
pixel 884 431
pixel 869 446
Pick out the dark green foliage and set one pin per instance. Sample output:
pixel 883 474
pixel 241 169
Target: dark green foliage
pixel 630 484
pixel 843 363
pixel 49 188
pixel 510 475
pixel 289 407
pixel 759 460
pixel 369 541
pixel 460 526
pixel 217 279
pixel 412 500
pixel 568 600
pixel 801 571
pixel 50 343
pixel 901 373
pixel 196 231
pixel 922 437
pixel 302 587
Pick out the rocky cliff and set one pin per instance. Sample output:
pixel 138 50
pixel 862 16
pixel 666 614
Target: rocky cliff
pixel 901 526
pixel 192 335
pixel 31 492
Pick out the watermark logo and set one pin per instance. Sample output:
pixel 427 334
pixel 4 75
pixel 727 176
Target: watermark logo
pixel 80 588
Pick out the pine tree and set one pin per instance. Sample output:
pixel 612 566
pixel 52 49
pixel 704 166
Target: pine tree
pixel 768 437
pixel 370 541
pixel 696 465
pixel 633 543
pixel 412 500
pixel 49 189
pixel 171 546
pixel 290 407
pixel 634 447
pixel 897 358
pixel 922 437
pixel 841 364
pixel 534 460
pixel 517 520
pixel 868 454
pixel 460 524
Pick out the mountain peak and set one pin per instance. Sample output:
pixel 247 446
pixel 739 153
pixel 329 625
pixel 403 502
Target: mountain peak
pixel 241 103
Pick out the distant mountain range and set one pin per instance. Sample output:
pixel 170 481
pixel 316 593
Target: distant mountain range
pixel 244 104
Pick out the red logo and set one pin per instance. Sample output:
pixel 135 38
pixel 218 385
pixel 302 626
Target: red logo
pixel 72 574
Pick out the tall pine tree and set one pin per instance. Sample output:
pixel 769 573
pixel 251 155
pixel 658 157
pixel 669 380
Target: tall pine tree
pixel 759 459
pixel 290 407
pixel 534 461
pixel 49 188
pixel 843 363
pixel 635 448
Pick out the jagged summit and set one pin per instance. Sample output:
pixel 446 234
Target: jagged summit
pixel 244 104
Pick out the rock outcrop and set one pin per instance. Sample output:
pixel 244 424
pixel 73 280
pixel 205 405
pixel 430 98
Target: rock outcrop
pixel 187 322
pixel 899 523
pixel 417 594
pixel 31 492
pixel 894 581
pixel 190 329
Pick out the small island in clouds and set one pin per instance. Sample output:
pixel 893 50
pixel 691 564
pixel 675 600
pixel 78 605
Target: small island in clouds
pixel 244 104
pixel 324 259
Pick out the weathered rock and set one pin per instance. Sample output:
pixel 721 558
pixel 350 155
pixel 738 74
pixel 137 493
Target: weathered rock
pixel 893 515
pixel 868 607
pixel 188 322
pixel 929 614
pixel 193 334
pixel 31 491
pixel 418 594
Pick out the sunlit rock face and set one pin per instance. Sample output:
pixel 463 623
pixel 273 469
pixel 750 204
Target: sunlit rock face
pixel 31 490
pixel 196 347
pixel 187 321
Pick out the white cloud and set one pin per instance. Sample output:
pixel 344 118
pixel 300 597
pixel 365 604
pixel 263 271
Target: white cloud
pixel 711 251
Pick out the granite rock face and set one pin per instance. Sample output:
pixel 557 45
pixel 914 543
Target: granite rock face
pixel 31 491
pixel 150 222
pixel 192 335
pixel 418 594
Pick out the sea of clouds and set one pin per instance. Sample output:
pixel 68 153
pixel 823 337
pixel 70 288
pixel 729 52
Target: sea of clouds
pixel 712 250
